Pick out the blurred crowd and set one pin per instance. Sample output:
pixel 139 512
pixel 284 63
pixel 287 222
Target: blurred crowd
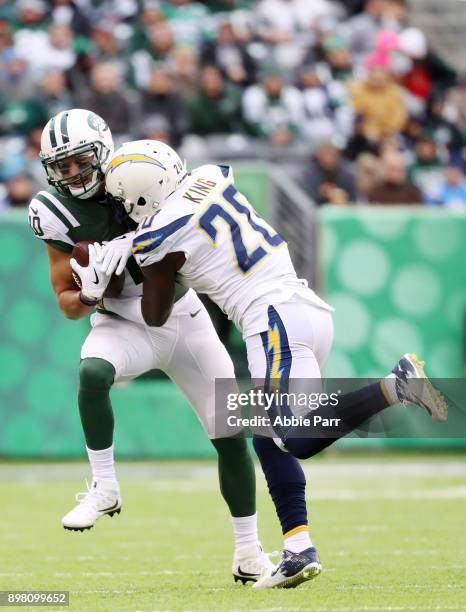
pixel 347 95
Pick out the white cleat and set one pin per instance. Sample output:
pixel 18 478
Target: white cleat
pixel 414 387
pixel 250 563
pixel 102 497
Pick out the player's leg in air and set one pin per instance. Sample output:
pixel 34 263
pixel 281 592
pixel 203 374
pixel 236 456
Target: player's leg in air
pixel 303 330
pixel 293 349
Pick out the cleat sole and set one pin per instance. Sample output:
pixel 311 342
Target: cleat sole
pixel 243 579
pixel 78 528
pixel 308 573
pixel 430 399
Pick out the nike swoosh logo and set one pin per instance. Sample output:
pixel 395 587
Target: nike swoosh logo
pixel 143 259
pixel 114 507
pixel 35 210
pixel 193 314
pixel 245 574
pixel 96 281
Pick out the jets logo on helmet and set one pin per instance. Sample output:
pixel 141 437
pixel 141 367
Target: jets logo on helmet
pixel 142 174
pixel 76 145
pixel 96 123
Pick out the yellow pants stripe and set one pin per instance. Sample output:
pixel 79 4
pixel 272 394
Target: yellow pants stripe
pixel 295 530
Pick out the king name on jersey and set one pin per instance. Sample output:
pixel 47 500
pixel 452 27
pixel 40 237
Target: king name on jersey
pixel 199 190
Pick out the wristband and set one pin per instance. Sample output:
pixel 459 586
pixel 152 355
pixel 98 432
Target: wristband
pixel 87 301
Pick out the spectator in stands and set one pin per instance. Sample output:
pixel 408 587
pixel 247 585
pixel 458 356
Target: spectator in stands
pixel 160 99
pixel 394 188
pixel 150 14
pixel 107 97
pixel 68 12
pixel 156 127
pixel 184 63
pixel 328 180
pixel 272 104
pixel 19 191
pixel 160 44
pixel 276 22
pixel 79 76
pixel 451 192
pixel 395 14
pixel 338 58
pixel 360 31
pixel 16 82
pixel 368 175
pixel 444 133
pixel 359 142
pixel 426 72
pixel 6 40
pixel 455 107
pixel 327 111
pixel 215 107
pixel 188 20
pixel 426 171
pixel 229 55
pixel 411 133
pixel 379 99
pixel 30 16
pixel 23 158
pixel 54 94
pixel 52 49
pixel 106 44
pixel 20 117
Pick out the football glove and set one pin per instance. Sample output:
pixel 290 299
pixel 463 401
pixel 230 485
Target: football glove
pixel 112 256
pixel 93 280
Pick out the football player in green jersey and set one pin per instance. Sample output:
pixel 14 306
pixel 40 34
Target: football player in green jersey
pixel 75 147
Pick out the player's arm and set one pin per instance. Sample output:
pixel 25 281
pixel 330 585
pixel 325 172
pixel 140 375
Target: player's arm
pixel 159 289
pixel 66 291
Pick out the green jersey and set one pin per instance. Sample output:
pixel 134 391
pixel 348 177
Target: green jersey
pixel 62 221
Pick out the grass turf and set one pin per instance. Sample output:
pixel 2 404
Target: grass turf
pixel 390 533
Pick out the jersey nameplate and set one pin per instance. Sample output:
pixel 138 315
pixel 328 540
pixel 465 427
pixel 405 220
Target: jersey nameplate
pixel 201 188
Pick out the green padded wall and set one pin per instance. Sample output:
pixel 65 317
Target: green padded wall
pixel 397 280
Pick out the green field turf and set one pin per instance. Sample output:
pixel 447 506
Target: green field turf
pixel 390 531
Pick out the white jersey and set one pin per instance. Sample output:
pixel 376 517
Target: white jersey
pixel 232 255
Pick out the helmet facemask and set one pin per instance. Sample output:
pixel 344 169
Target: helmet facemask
pixel 78 172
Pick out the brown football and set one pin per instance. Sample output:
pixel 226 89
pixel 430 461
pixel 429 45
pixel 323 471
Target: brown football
pixel 81 254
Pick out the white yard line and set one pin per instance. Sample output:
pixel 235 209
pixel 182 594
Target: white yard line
pixel 167 471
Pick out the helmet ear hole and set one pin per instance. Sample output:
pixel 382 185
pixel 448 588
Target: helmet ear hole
pixel 141 202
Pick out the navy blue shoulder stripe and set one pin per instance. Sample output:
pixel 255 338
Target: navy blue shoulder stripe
pixel 225 170
pixel 151 240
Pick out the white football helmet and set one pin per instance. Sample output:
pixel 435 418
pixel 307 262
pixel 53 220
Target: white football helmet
pixel 142 174
pixel 75 147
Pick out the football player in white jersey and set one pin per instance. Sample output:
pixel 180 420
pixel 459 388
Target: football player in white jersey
pixel 75 148
pixel 198 229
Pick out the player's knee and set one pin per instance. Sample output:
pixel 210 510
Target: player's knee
pixel 96 374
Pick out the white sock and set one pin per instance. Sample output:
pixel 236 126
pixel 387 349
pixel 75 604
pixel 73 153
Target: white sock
pixel 102 463
pixel 297 542
pixel 245 530
pixel 388 385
